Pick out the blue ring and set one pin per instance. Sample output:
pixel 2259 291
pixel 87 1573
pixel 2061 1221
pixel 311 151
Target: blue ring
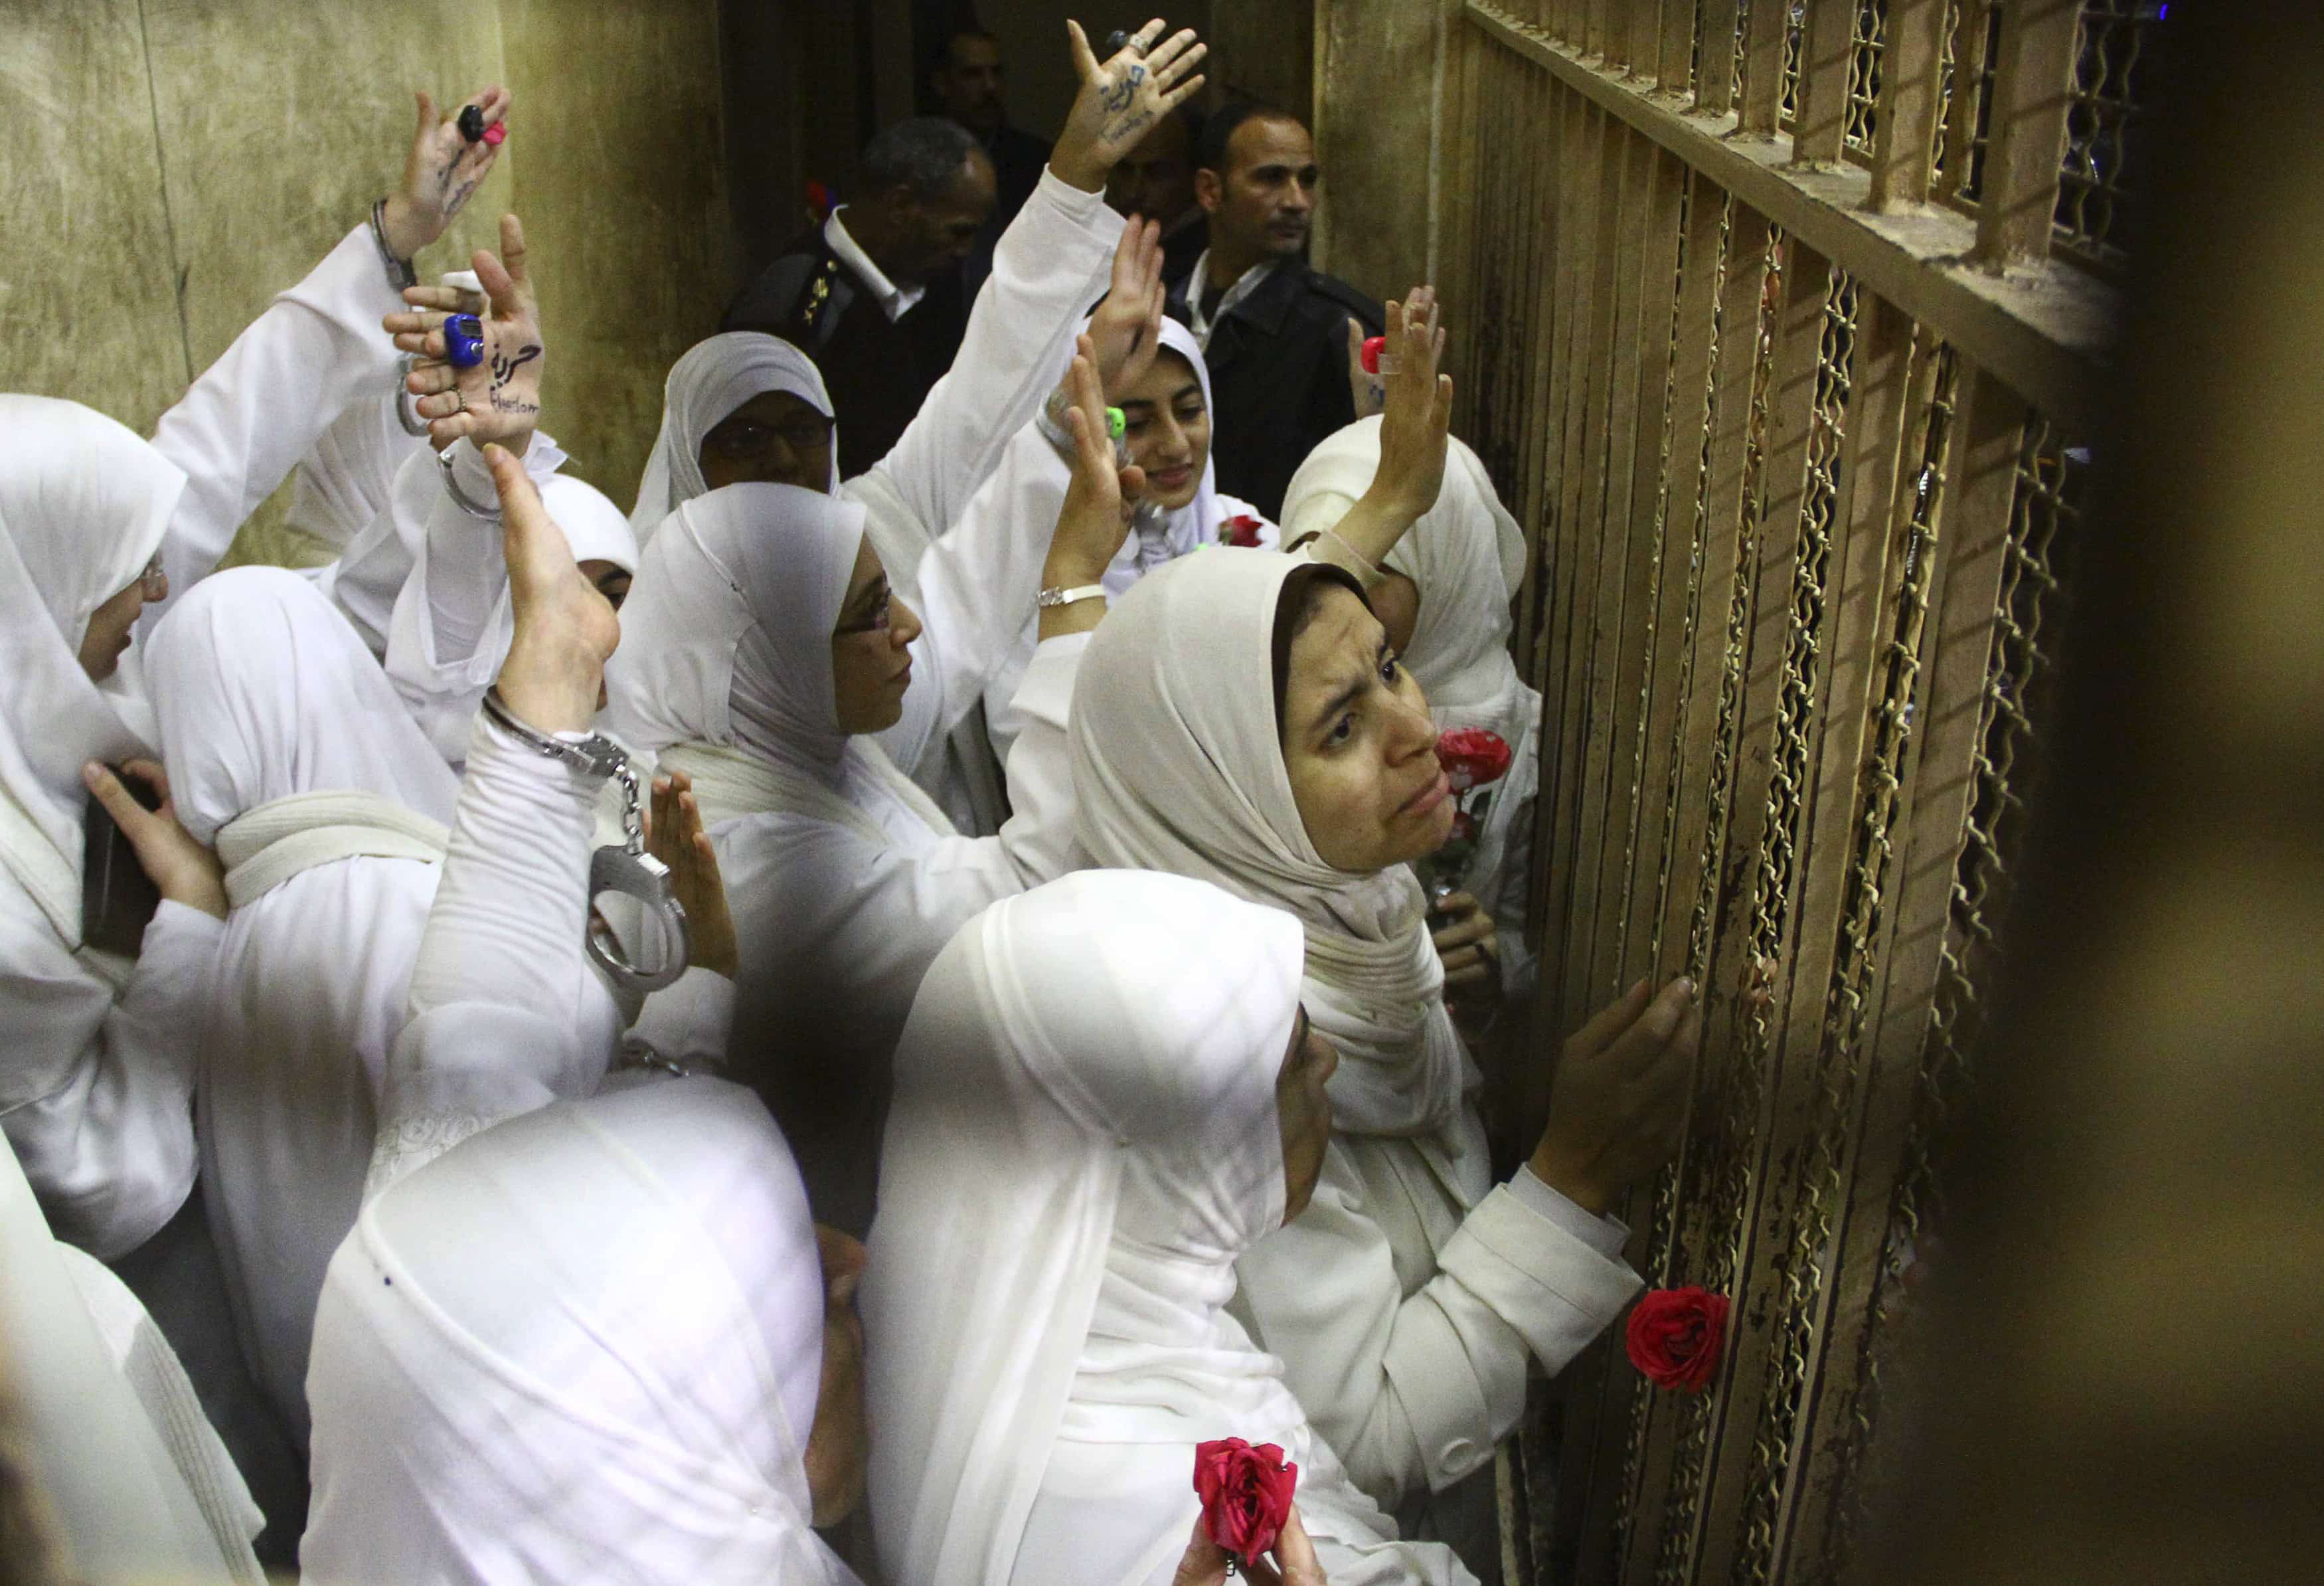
pixel 464 341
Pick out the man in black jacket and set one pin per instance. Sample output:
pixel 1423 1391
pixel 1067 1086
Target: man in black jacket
pixel 1273 331
pixel 849 295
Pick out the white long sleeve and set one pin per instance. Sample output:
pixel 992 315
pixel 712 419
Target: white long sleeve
pixel 1411 1365
pixel 507 1014
pixel 1051 266
pixel 426 585
pixel 975 595
pixel 245 423
pixel 826 918
pixel 97 1089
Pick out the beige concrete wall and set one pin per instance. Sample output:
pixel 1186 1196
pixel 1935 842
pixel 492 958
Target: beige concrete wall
pixel 1380 76
pixel 172 166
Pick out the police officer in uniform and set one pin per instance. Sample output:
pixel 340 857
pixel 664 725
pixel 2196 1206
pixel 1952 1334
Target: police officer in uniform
pixel 1273 331
pixel 849 294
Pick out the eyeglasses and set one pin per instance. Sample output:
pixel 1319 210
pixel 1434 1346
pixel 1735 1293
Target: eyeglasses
pixel 154 583
pixel 877 623
pixel 743 440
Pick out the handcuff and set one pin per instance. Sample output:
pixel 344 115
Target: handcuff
pixel 626 868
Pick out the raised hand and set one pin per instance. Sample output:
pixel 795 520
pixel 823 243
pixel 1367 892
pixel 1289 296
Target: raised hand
pixel 441 173
pixel 1121 98
pixel 1618 1106
pixel 1127 328
pixel 497 399
pixel 1469 946
pixel 1416 416
pixel 674 834
pixel 181 869
pixel 1367 390
pixel 1093 523
pixel 566 631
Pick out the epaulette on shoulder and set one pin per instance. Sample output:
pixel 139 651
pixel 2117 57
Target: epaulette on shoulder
pixel 1367 309
pixel 820 305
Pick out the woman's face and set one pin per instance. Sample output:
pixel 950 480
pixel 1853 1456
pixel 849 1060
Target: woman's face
pixel 774 439
pixel 107 637
pixel 610 580
pixel 871 658
pixel 1303 1112
pixel 1168 430
pixel 1360 744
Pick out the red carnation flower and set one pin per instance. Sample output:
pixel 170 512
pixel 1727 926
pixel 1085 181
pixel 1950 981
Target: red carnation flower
pixel 1472 757
pixel 1246 1494
pixel 1675 1335
pixel 1242 530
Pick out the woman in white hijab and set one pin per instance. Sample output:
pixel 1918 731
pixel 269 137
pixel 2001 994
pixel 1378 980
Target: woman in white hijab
pixel 288 750
pixel 764 651
pixel 96 1052
pixel 1446 603
pixel 1165 399
pixel 1107 1092
pixel 569 1339
pixel 747 408
pixel 1406 1301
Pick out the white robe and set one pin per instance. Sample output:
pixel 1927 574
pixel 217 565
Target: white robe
pixel 96 1054
pixel 1405 1300
pixel 246 421
pixel 263 694
pixel 1084 1137
pixel 844 878
pixel 108 1427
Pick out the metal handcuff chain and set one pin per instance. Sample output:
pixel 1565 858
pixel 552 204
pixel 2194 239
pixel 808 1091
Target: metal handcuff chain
pixel 626 868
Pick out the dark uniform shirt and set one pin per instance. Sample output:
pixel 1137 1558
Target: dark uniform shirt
pixel 878 370
pixel 1278 363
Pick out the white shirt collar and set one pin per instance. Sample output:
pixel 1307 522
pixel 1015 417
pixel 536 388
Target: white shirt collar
pixel 894 301
pixel 1198 283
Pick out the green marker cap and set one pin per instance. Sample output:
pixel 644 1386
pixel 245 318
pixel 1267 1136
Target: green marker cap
pixel 1116 421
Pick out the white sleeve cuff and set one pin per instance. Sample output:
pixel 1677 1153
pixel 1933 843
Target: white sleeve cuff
pixel 1605 1235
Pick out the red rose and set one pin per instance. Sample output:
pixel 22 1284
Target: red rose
pixel 1242 530
pixel 1472 757
pixel 1674 1337
pixel 1246 1494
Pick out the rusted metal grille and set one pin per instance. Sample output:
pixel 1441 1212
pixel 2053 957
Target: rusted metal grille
pixel 2115 54
pixel 1795 575
pixel 1864 48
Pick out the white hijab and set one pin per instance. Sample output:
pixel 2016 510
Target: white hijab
pixel 1466 554
pixel 83 506
pixel 713 379
pixel 1193 525
pixel 1178 766
pixel 1083 1139
pixel 727 643
pixel 584 1344
pixel 264 692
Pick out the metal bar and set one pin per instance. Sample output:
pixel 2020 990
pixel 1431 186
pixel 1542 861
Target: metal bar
pixel 1751 950
pixel 1612 357
pixel 2031 97
pixel 1904 142
pixel 1620 17
pixel 1962 110
pixel 2046 332
pixel 1762 94
pixel 1820 122
pixel 1635 435
pixel 1714 83
pixel 1672 69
